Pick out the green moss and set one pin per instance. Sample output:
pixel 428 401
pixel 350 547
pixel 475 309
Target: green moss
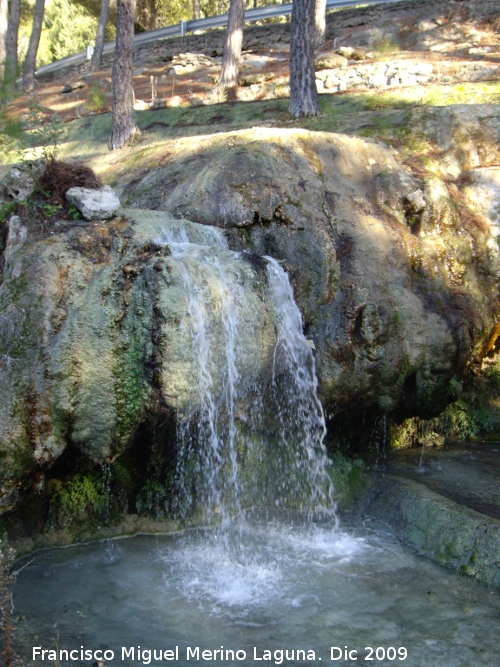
pixel 80 502
pixel 349 479
pixel 155 499
pixel 473 413
pixel 131 388
pixel 90 499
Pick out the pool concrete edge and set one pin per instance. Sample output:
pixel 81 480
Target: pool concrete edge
pixel 450 534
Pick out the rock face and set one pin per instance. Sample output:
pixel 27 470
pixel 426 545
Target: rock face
pixel 99 204
pixel 94 342
pixel 395 276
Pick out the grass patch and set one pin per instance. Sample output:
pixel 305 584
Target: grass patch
pixel 384 116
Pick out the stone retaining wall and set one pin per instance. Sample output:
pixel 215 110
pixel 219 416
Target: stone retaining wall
pixel 403 73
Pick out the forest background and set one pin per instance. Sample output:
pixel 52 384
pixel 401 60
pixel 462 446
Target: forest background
pixel 69 26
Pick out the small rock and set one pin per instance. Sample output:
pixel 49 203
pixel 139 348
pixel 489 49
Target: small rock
pixel 251 79
pixel 141 105
pixel 99 204
pixel 19 183
pixel 174 101
pixel 330 61
pixel 70 87
pixel 351 53
pixel 417 201
pixel 158 104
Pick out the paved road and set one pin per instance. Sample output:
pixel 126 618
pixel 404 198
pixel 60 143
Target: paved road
pixel 202 24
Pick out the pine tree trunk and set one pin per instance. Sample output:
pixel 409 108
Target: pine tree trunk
pixel 124 127
pixel 3 35
pixel 95 63
pixel 152 15
pixel 232 48
pixel 319 28
pixel 304 99
pixel 11 62
pixel 30 62
pixel 196 9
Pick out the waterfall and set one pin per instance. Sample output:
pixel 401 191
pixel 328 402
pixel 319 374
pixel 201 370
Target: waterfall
pixel 243 440
pixel 294 390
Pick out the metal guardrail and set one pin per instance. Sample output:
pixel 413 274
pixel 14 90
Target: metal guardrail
pixel 258 14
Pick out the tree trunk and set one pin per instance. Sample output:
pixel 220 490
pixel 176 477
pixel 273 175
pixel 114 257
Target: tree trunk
pixel 196 9
pixel 124 127
pixel 95 63
pixel 152 15
pixel 304 99
pixel 3 35
pixel 30 62
pixel 11 62
pixel 232 47
pixel 319 28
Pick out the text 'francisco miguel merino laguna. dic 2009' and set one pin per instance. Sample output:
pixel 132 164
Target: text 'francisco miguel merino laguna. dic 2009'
pixel 146 656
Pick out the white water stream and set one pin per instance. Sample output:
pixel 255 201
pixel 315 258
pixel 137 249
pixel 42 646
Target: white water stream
pixel 211 438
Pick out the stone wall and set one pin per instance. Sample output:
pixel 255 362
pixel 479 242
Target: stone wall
pixel 392 74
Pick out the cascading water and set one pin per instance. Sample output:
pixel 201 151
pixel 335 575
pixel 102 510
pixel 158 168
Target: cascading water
pixel 207 432
pixel 274 457
pixel 302 426
pixel 211 435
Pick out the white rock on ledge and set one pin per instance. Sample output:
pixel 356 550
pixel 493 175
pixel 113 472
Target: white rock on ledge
pixel 99 204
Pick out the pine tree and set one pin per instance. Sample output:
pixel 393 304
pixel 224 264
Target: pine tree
pixel 319 28
pixel 152 15
pixel 3 35
pixel 304 100
pixel 124 126
pixel 95 63
pixel 196 9
pixel 30 61
pixel 232 48
pixel 11 61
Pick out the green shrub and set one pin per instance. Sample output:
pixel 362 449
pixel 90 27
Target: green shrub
pixel 96 99
pixel 385 44
pixel 80 501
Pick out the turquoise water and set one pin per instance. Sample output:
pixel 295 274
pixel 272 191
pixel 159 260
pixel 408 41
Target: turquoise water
pixel 267 585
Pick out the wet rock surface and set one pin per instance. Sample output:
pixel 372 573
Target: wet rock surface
pixel 93 342
pixel 467 474
pixel 444 502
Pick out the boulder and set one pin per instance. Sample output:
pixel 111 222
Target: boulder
pixel 93 337
pixel 393 295
pixel 16 236
pixel 395 274
pixel 351 53
pixel 21 180
pixel 70 87
pixel 99 204
pixel 251 79
pixel 330 61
